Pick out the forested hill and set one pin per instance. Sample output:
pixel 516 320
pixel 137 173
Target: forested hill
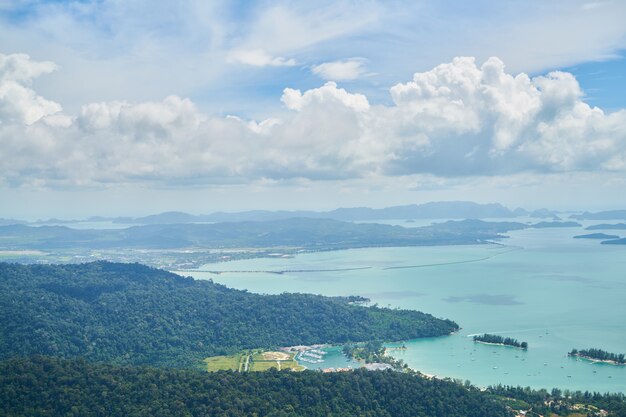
pixel 44 386
pixel 133 314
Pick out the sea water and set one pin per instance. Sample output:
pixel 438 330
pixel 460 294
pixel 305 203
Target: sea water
pixel 540 286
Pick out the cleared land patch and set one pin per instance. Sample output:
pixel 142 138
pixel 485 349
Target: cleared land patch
pixel 249 361
pixel 225 363
pixel 276 356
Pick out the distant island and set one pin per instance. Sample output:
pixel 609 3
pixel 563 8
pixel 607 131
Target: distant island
pixel 602 236
pixel 602 215
pixel 185 246
pixel 607 226
pixel 494 339
pixel 544 213
pixel 303 233
pixel 621 241
pixel 599 355
pixel 543 225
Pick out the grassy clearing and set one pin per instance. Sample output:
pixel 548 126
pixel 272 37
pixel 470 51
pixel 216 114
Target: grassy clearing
pixel 264 366
pixel 282 365
pixel 262 361
pixel 225 363
pixel 261 356
pixel 258 360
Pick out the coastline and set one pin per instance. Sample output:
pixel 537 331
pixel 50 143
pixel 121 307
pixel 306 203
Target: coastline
pixel 594 360
pixel 499 344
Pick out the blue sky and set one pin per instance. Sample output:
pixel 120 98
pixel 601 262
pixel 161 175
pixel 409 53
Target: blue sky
pixel 604 82
pixel 138 107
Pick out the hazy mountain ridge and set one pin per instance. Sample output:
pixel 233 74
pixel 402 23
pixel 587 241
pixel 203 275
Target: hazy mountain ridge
pixel 433 210
pixel 430 210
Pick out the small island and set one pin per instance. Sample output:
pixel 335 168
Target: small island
pixel 599 355
pixel 621 241
pixel 607 226
pixel 596 236
pixel 494 339
pixel 545 225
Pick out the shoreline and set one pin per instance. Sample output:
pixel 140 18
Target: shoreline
pixel 295 251
pixel 594 360
pixel 499 344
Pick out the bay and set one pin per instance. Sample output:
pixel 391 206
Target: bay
pixel 539 286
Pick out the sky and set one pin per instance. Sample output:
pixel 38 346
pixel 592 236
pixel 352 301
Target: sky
pixel 131 108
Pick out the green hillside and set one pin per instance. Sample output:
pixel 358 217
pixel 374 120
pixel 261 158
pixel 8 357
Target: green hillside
pixel 133 314
pixel 51 387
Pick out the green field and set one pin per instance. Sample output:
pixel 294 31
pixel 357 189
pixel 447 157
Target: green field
pixel 257 360
pixel 225 363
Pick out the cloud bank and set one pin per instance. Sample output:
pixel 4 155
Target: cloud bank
pixel 458 119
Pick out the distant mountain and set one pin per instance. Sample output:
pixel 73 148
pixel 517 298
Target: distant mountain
pixel 434 210
pixel 544 213
pixel 170 217
pixel 602 215
pixel 20 236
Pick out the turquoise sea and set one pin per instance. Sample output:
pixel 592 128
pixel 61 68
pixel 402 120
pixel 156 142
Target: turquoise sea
pixel 539 286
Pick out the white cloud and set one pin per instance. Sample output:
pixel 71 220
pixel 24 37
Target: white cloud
pixel 258 58
pixel 143 50
pixel 481 120
pixel 327 95
pixel 350 69
pixel 19 102
pixel 458 119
